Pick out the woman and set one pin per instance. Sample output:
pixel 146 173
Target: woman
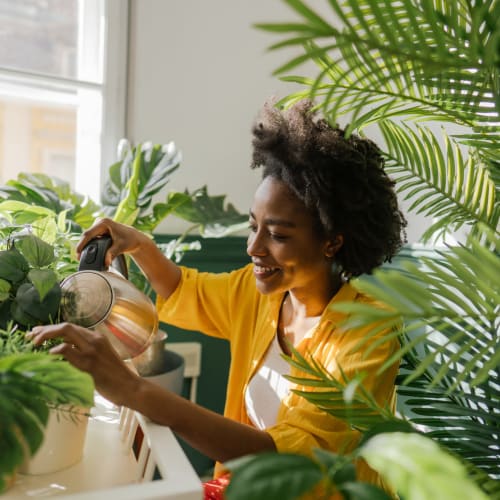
pixel 324 211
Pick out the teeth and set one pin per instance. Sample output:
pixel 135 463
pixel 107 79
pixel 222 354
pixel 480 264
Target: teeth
pixel 260 269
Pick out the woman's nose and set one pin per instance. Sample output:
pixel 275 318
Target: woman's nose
pixel 255 245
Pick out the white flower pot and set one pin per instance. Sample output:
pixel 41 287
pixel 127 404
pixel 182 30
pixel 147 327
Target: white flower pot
pixel 63 443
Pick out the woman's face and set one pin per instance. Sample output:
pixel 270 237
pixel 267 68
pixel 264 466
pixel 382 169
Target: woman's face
pixel 286 252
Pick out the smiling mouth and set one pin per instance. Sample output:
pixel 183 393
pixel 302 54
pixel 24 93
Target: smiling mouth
pixel 264 272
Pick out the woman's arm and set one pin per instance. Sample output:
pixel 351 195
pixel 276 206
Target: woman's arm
pixel 161 272
pixel 218 437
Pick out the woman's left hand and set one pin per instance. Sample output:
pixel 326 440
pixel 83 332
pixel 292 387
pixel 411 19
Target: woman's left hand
pixel 91 352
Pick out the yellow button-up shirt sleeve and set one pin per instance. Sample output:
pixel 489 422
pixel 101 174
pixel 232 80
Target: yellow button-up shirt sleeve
pixel 229 306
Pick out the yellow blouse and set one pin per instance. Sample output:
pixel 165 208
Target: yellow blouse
pixel 229 306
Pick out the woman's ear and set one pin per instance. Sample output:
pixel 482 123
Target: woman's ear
pixel 333 246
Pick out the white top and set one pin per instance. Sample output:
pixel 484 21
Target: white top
pixel 267 388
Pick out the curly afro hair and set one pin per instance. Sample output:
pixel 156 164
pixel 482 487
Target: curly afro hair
pixel 341 181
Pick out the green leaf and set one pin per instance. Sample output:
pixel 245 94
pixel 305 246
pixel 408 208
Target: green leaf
pixel 29 383
pixel 339 468
pixel 418 468
pixel 209 212
pixel 58 381
pixel 37 252
pixel 5 287
pixel 43 280
pixel 13 266
pixel 31 212
pixel 47 229
pixel 29 303
pixel 386 427
pixel 363 491
pixel 273 475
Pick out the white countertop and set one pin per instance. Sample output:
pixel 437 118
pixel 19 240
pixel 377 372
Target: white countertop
pixel 109 470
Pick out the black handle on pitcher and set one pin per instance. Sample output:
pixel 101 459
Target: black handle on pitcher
pixel 92 257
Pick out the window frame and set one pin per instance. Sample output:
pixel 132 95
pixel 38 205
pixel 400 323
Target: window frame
pixel 91 166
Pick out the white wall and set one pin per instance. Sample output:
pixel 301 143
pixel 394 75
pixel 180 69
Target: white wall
pixel 198 74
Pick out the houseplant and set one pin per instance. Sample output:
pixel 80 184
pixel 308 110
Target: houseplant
pixel 33 383
pixel 131 195
pixel 41 220
pixel 400 69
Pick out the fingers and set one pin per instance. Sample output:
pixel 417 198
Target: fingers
pixel 91 352
pixel 70 333
pixel 78 346
pixel 100 227
pixel 73 355
pixel 123 238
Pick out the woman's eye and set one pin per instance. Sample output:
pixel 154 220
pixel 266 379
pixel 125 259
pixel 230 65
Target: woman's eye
pixel 252 227
pixel 278 237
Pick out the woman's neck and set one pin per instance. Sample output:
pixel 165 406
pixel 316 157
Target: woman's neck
pixel 300 313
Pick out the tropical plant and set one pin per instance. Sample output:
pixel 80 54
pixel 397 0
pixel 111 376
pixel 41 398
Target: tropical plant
pixel 32 383
pixel 29 287
pixel 130 195
pixel 401 68
pixel 142 172
pixel 139 175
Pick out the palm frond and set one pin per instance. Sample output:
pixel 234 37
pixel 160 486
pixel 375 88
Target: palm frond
pixel 442 184
pixel 345 399
pixel 465 423
pixel 453 296
pixel 422 58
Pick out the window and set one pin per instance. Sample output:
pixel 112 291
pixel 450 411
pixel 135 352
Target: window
pixel 62 88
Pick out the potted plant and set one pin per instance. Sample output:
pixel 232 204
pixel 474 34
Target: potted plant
pixel 35 386
pixel 402 68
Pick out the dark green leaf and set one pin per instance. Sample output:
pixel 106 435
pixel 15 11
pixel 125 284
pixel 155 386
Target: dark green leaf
pixel 43 280
pixel 273 475
pixel 28 302
pixel 13 266
pixel 363 491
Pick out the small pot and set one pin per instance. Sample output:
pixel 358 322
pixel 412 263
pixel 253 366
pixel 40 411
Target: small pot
pixel 172 375
pixel 63 443
pixel 152 360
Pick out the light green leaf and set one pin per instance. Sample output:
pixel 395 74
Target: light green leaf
pixel 43 280
pixel 36 251
pixel 5 288
pixel 418 468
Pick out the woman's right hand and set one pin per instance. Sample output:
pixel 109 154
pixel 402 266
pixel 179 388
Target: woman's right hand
pixel 91 352
pixel 125 239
